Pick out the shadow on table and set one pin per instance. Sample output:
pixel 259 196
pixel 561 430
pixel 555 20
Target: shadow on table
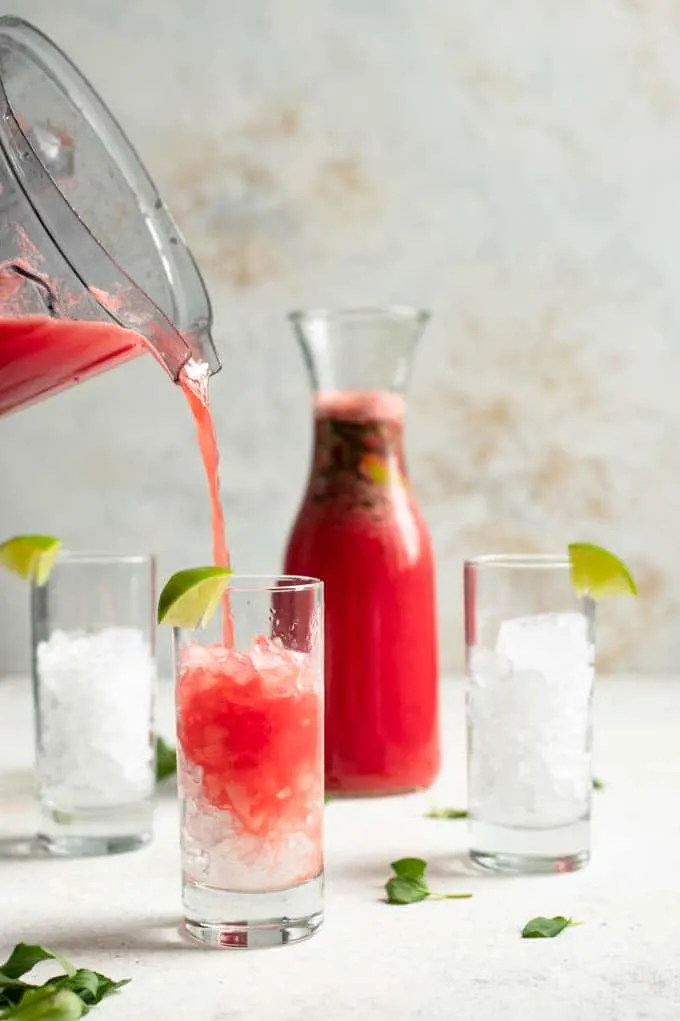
pixel 443 865
pixel 28 848
pixel 25 847
pixel 148 935
pixel 17 783
pixel 376 870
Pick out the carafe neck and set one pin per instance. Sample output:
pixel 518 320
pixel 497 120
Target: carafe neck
pixel 358 445
pixel 358 361
pixel 359 350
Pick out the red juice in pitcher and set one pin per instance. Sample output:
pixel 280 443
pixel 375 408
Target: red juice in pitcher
pixel 40 356
pixel 360 531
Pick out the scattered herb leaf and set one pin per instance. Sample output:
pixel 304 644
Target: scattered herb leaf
pixel 11 991
pixel 166 760
pixel 450 896
pixel 63 998
pixel 45 1003
pixel 546 928
pixel 447 813
pixel 25 956
pixel 408 885
pixel 327 798
pixel 409 868
pixel 598 785
pixel 402 890
pixel 90 986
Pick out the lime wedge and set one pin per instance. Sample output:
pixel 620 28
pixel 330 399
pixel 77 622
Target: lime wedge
pixel 30 556
pixel 190 597
pixel 598 573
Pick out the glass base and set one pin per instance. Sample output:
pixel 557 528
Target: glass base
pixel 257 936
pixel 81 832
pixel 87 847
pixel 521 850
pixel 515 864
pixel 248 921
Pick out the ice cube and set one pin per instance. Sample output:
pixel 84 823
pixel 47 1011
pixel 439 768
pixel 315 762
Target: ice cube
pixel 95 695
pixel 194 656
pixel 547 642
pixel 279 667
pixel 237 666
pixel 530 728
pixel 486 666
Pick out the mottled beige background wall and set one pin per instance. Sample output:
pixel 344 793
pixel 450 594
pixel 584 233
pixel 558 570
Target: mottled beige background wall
pixel 513 166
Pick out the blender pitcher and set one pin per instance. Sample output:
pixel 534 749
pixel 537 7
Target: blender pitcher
pixel 93 270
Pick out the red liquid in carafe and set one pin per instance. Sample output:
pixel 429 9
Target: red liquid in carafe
pixel 360 531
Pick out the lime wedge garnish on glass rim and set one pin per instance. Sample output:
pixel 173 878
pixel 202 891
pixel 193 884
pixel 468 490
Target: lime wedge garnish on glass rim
pixel 30 556
pixel 598 573
pixel 190 597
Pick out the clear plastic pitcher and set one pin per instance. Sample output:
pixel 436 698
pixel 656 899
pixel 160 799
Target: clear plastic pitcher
pixel 85 238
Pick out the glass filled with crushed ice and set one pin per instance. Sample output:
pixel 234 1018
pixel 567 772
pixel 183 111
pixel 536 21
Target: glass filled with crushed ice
pixel 94 677
pixel 249 702
pixel 530 669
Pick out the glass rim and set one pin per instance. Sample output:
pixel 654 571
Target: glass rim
pixel 366 312
pixel 272 583
pixel 66 556
pixel 526 561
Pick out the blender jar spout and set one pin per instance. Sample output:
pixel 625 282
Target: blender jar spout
pixel 175 349
pixel 202 348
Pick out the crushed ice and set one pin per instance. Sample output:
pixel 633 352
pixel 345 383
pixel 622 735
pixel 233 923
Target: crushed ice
pixel 95 696
pixel 529 713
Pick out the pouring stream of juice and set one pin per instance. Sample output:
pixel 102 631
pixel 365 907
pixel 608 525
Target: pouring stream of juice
pixel 62 346
pixel 195 383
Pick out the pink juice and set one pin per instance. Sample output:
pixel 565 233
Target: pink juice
pixel 250 732
pixel 195 386
pixel 360 531
pixel 39 356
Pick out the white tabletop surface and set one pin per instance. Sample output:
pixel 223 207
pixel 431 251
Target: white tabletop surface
pixel 439 961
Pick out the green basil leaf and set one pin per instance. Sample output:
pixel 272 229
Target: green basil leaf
pixel 45 1003
pixel 90 986
pixel 409 868
pixel 166 760
pixel 25 956
pixel 403 890
pixel 545 928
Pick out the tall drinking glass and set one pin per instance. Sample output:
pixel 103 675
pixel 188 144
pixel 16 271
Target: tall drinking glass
pixel 250 765
pixel 94 676
pixel 530 671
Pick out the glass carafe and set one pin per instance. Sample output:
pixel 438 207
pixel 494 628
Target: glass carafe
pixel 359 530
